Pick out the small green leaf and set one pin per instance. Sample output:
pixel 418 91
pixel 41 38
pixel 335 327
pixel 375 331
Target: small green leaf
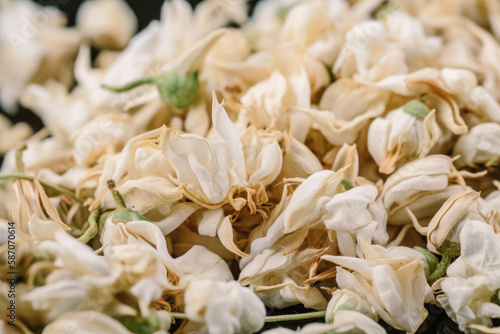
pixel 140 325
pixel 176 90
pixel 122 215
pixel 137 216
pixel 416 108
pixel 347 185
pixel 432 259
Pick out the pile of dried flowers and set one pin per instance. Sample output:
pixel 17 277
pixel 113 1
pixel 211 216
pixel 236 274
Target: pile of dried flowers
pixel 340 155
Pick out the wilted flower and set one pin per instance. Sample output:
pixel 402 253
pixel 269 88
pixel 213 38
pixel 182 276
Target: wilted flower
pixel 429 175
pixel 345 108
pixel 403 135
pixel 345 321
pixel 215 163
pixel 470 292
pixel 214 166
pixel 394 284
pixel 222 307
pixel 478 147
pixel 348 300
pixel 368 55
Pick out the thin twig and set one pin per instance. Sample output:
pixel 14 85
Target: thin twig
pixel 19 159
pixel 273 318
pixel 130 85
pixel 296 316
pixel 43 183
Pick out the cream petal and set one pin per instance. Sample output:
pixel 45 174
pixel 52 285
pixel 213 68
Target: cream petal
pixel 87 322
pixel 109 23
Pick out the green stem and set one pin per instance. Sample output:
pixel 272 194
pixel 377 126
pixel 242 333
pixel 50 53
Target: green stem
pixel 296 316
pixel 116 195
pixel 119 199
pixel 91 232
pixel 440 270
pixel 130 85
pixel 273 318
pixel 43 183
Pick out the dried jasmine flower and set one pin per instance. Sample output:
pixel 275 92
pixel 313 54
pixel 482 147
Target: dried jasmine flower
pixel 175 90
pixel 335 155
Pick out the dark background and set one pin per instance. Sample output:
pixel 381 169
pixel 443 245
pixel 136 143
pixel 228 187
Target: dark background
pixel 146 11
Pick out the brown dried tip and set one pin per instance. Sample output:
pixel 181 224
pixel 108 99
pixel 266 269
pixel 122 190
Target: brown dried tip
pixel 111 184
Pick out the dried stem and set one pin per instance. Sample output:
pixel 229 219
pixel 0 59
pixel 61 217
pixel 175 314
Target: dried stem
pixel 116 195
pixel 43 183
pixel 273 318
pixel 91 232
pixel 19 159
pixel 296 316
pixel 440 270
pixel 130 85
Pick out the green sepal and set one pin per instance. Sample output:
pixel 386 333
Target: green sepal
pixel 176 90
pixel 416 108
pixel 126 215
pixel 122 214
